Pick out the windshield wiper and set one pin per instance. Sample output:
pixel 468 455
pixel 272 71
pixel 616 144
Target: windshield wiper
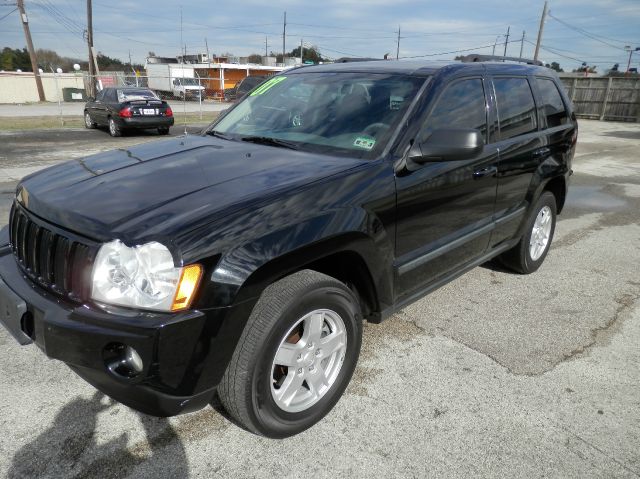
pixel 217 134
pixel 267 140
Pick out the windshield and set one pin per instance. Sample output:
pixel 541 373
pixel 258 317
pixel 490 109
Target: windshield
pixel 340 113
pixel 186 81
pixel 133 95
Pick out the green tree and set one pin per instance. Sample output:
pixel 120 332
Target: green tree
pixel 556 66
pixel 255 58
pixel 7 58
pixel 308 54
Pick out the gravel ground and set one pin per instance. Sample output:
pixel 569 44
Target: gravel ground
pixel 494 375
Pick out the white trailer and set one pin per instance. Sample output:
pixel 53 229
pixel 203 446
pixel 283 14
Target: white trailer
pixel 174 79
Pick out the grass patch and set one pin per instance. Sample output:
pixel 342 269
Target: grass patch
pixel 45 122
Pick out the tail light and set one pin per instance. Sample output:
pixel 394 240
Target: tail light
pixel 168 111
pixel 125 113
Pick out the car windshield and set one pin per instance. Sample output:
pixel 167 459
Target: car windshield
pixel 351 114
pixel 133 95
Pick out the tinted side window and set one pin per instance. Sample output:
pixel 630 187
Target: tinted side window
pixel 552 103
pixel 462 105
pixel 112 96
pixel 516 108
pixel 100 95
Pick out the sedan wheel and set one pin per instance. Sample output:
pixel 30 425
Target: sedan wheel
pixel 88 122
pixel 114 129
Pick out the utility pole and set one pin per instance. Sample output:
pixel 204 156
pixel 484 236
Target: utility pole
pixel 182 50
pixel 284 36
pixel 398 45
pixel 540 30
pixel 506 41
pixel 301 48
pixel 266 46
pixel 522 44
pixel 92 70
pixel 493 52
pixel 34 61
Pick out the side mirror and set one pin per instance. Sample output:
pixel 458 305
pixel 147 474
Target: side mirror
pixel 91 98
pixel 448 145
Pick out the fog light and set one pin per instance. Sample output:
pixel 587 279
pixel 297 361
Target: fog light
pixel 123 361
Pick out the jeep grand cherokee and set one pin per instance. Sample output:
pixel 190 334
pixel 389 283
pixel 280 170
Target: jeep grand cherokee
pixel 242 261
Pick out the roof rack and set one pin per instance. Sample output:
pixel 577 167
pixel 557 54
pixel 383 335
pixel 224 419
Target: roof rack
pixel 495 58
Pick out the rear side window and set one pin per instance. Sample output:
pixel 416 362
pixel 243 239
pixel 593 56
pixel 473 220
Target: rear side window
pixel 516 108
pixel 552 104
pixel 462 105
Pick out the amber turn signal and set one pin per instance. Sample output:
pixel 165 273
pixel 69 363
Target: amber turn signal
pixel 189 280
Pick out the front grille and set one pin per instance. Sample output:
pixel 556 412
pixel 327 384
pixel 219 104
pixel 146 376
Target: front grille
pixel 56 260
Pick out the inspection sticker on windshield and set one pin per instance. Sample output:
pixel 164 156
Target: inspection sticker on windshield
pixel 365 142
pixel 267 85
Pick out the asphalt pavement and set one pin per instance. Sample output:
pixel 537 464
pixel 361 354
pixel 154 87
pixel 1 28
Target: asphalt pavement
pixel 494 375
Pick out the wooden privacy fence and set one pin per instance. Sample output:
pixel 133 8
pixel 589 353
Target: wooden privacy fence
pixel 605 98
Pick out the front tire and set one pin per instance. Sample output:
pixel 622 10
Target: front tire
pixel 114 129
pixel 529 254
pixel 88 122
pixel 295 357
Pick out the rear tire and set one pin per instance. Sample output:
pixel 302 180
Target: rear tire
pixel 313 323
pixel 163 130
pixel 529 254
pixel 114 129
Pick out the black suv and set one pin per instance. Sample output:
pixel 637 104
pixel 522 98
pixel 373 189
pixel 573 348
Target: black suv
pixel 243 261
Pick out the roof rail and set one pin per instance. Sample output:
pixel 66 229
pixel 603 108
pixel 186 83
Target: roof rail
pixel 496 58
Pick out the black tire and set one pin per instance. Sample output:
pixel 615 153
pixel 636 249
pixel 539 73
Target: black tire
pixel 246 388
pixel 88 121
pixel 519 258
pixel 163 130
pixel 114 129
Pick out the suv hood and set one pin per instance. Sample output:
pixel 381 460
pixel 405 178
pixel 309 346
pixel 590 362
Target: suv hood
pixel 162 187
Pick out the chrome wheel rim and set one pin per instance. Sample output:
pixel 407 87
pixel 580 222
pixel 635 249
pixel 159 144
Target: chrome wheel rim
pixel 112 127
pixel 308 360
pixel 540 234
pixel 87 120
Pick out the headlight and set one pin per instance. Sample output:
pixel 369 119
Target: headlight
pixel 142 277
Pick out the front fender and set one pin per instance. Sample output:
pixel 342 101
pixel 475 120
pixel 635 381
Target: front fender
pixel 243 272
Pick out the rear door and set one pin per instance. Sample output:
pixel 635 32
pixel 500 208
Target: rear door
pixel 96 108
pixel 445 209
pixel 522 149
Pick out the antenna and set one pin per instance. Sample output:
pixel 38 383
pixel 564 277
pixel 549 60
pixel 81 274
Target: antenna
pixel 184 87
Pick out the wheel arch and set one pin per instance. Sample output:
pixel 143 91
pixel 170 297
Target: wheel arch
pixel 557 186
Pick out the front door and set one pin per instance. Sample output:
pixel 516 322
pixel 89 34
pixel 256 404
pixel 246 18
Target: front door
pixel 445 209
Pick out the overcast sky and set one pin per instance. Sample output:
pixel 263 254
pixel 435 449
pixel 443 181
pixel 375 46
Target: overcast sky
pixel 594 31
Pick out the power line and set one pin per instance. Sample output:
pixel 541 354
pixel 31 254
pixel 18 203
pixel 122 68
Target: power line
pixel 455 51
pixel 552 50
pixel 587 34
pixel 5 16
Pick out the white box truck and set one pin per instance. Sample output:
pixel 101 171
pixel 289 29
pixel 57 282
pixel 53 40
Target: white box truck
pixel 176 80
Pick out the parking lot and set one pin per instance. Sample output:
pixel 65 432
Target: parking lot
pixel 494 375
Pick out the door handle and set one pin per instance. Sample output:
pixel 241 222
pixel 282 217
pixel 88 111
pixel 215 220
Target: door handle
pixel 540 152
pixel 488 171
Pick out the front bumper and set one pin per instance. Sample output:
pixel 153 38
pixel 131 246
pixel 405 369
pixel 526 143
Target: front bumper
pixel 184 355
